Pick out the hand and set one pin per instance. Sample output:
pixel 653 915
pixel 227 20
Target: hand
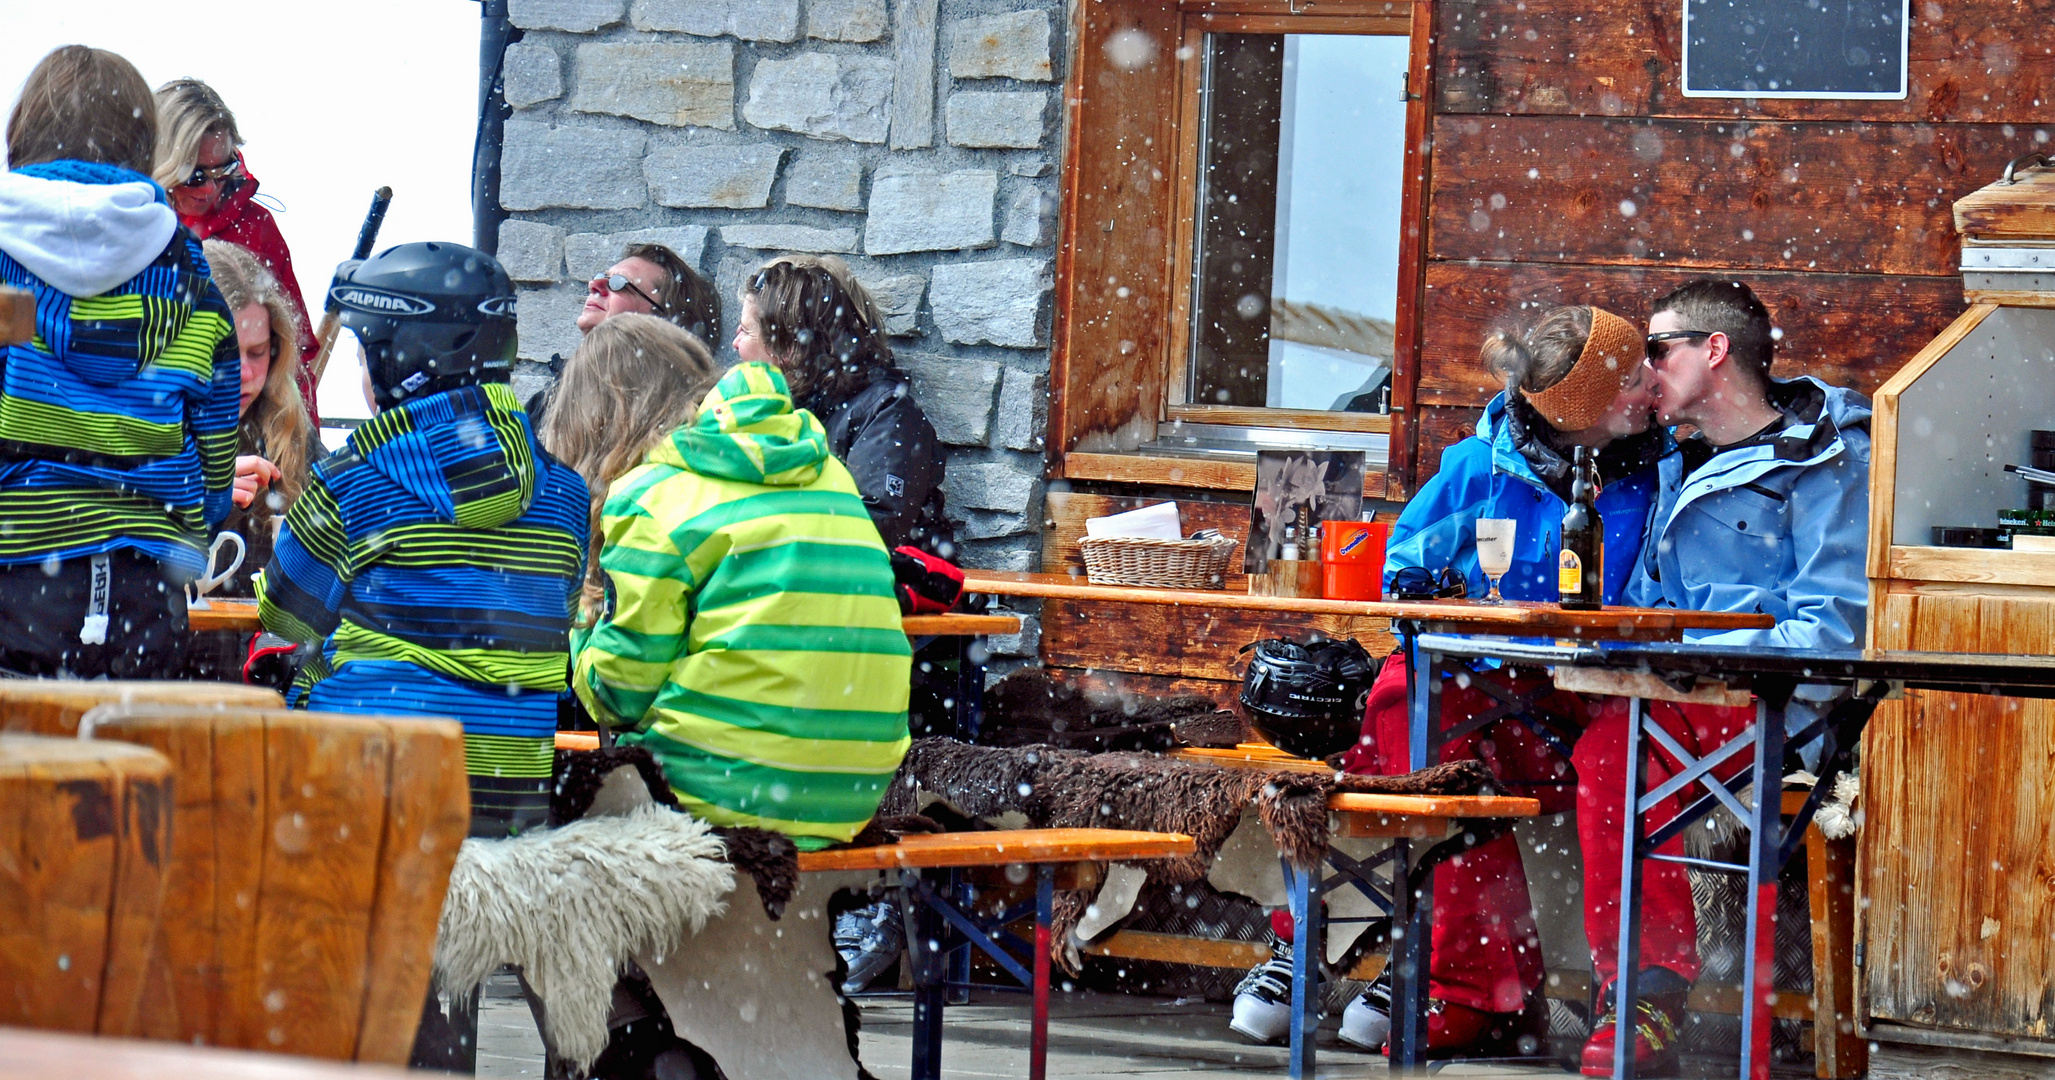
pixel 252 475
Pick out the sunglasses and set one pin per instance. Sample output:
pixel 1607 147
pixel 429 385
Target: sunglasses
pixel 618 283
pixel 225 174
pixel 1420 583
pixel 1658 344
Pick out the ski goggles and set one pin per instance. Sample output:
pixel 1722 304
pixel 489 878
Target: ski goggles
pixel 1420 583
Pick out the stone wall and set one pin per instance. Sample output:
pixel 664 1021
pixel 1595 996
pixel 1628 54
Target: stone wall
pixel 918 139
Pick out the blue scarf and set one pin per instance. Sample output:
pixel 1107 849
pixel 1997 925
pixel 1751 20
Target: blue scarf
pixel 89 172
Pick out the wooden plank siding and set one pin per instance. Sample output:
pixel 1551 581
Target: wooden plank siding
pixel 1552 115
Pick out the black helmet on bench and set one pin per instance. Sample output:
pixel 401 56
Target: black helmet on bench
pixel 431 317
pixel 1307 699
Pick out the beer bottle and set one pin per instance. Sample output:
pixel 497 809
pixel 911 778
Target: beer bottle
pixel 1580 568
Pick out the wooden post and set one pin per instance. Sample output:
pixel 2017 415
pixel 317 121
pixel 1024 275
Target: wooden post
pixel 84 829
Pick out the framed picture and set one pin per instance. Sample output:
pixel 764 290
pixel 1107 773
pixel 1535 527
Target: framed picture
pixel 1326 484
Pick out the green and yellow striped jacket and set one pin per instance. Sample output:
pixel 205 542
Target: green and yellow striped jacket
pixel 753 643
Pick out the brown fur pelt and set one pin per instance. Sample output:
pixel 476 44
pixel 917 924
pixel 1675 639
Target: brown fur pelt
pixel 1056 788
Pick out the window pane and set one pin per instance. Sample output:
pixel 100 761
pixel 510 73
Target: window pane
pixel 1296 276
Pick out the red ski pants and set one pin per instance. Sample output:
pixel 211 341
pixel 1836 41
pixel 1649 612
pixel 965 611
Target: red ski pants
pixel 1669 926
pixel 1486 953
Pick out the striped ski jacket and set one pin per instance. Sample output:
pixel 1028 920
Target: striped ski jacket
pixel 754 643
pixel 437 557
pixel 118 418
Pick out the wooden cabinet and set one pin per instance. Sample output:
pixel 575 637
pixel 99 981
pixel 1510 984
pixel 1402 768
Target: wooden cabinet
pixel 1958 845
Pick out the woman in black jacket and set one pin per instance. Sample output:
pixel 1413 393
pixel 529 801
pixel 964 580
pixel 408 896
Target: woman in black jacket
pixel 813 319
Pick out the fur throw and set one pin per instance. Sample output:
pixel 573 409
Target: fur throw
pixel 611 780
pixel 570 905
pixel 1056 788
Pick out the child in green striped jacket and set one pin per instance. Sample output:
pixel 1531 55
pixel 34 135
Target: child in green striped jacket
pixel 753 640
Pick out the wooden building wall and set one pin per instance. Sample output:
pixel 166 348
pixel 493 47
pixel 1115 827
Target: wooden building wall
pixel 1552 116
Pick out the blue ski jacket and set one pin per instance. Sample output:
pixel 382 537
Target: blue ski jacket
pixel 1779 525
pixel 1488 475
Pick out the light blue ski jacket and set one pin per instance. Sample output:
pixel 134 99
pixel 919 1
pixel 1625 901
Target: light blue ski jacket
pixel 1779 527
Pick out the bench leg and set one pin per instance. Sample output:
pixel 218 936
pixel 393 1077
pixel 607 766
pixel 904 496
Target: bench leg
pixel 1838 1052
pixel 930 981
pixel 1038 1029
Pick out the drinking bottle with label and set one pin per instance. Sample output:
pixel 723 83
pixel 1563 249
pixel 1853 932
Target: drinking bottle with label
pixel 1580 568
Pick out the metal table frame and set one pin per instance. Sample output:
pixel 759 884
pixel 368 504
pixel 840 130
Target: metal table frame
pixel 1771 675
pixel 944 926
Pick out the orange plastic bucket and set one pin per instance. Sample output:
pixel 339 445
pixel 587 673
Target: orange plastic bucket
pixel 1352 559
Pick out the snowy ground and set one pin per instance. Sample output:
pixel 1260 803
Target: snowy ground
pixel 1114 1035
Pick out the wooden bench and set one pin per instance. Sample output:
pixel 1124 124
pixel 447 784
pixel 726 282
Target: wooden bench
pixel 17 316
pixel 83 831
pixel 938 918
pixel 307 873
pixel 54 706
pixel 40 1055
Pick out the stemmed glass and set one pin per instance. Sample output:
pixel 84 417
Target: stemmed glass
pixel 1495 552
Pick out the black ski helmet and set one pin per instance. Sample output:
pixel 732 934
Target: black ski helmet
pixel 431 317
pixel 1307 699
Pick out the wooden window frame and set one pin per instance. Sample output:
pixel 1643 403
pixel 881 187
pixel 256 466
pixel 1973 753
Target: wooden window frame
pixel 1130 178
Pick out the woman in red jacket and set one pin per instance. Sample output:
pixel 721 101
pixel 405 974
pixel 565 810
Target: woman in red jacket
pixel 200 167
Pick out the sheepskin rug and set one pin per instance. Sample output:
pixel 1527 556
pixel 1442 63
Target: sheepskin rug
pixel 569 905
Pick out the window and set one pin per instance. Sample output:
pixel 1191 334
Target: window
pixel 1243 206
pixel 1294 283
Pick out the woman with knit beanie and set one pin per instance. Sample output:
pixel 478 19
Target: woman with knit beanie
pixel 1574 377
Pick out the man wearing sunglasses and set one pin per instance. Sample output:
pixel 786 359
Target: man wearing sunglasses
pixel 651 279
pixel 1764 509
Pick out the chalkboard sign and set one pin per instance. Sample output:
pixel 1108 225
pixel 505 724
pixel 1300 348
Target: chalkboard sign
pixel 1795 48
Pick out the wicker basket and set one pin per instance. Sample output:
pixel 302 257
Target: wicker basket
pixel 1160 564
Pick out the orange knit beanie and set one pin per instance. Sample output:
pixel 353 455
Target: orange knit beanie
pixel 1578 399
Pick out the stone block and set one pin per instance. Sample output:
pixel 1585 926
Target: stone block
pixel 1003 120
pixel 750 20
pixel 989 485
pixel 930 212
pixel 993 524
pixel 913 75
pixel 735 177
pixel 678 84
pixel 898 297
pixel 1037 167
pixel 530 378
pixel 1028 642
pixel 547 321
pixel 532 74
pixel 575 166
pixel 775 236
pixel 1023 413
pixel 586 255
pixel 531 251
pixel 998 301
pixel 825 95
pixel 827 177
pixel 1030 218
pixel 846 20
pixel 995 557
pixel 1014 45
pixel 957 395
pixel 577 16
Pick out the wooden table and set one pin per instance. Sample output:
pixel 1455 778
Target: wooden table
pixel 223 613
pixel 1769 676
pixel 942 925
pixel 1513 618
